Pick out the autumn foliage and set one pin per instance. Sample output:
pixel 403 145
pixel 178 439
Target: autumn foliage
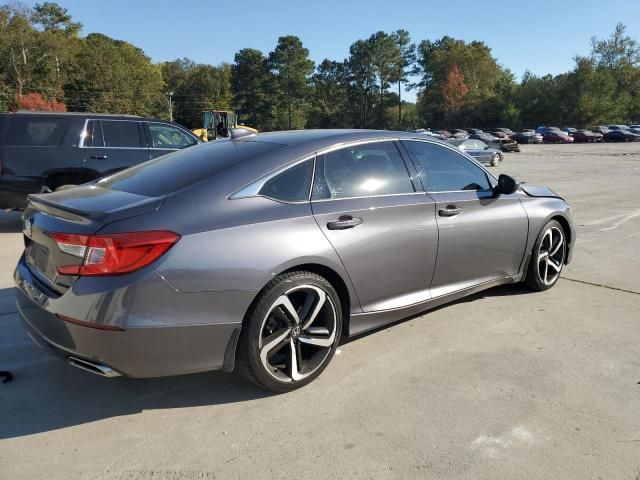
pixel 454 89
pixel 35 101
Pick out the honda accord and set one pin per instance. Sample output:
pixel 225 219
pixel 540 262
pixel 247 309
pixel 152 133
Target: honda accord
pixel 258 253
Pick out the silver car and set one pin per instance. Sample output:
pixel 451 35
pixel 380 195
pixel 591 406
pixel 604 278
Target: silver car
pixel 260 252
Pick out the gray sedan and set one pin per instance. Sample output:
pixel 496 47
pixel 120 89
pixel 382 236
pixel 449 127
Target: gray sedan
pixel 259 253
pixel 479 150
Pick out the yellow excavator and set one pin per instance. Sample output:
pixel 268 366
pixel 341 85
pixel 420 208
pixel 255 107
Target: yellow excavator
pixel 218 125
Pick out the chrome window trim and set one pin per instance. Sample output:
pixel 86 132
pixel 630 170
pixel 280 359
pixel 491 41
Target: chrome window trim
pixel 83 133
pixel 371 196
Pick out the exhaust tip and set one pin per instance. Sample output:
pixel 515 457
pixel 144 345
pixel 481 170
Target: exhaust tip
pixel 93 367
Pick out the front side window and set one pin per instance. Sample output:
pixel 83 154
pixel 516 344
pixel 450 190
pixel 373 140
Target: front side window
pixel 35 132
pixel 362 171
pixel 168 136
pixel 444 170
pixel 292 185
pixel 120 133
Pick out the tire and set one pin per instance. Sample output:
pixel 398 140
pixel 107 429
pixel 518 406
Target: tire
pixel 547 257
pixel 271 342
pixel 495 160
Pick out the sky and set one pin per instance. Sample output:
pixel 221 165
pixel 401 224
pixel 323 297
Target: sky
pixel 541 36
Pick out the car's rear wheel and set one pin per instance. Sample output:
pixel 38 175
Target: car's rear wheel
pixel 290 333
pixel 547 257
pixel 496 159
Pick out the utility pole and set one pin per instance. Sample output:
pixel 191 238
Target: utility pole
pixel 170 106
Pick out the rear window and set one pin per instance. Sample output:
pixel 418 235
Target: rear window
pixel 35 132
pixel 180 169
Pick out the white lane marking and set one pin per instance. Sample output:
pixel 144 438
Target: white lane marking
pixel 620 222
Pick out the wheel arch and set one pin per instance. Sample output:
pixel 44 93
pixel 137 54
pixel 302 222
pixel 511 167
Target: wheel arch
pixel 566 227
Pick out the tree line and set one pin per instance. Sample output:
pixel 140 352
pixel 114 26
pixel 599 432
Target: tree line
pixel 46 63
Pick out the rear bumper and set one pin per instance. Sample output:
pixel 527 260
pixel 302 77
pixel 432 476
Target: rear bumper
pixel 135 352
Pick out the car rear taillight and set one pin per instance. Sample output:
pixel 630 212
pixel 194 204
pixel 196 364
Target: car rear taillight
pixel 114 254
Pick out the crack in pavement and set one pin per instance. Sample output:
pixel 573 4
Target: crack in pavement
pixel 601 285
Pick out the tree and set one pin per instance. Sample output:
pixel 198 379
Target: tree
pixel 291 68
pixel 454 90
pixel 402 39
pixel 250 83
pixel 386 63
pixel 35 101
pixel 117 77
pixel 54 18
pixel 329 101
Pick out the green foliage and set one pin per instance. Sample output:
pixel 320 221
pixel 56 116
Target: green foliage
pixel 291 69
pixel 460 84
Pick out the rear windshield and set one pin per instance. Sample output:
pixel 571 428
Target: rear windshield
pixel 177 170
pixel 35 131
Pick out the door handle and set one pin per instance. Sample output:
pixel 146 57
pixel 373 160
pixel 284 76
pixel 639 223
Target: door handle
pixel 450 211
pixel 344 222
pixel 100 157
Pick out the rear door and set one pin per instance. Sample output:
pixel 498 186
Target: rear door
pixel 112 145
pixel 481 237
pixel 165 138
pixel 381 226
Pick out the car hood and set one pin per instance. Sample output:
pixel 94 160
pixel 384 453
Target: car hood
pixel 538 191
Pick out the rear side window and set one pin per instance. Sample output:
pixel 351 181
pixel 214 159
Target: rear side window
pixel 362 171
pixel 121 133
pixel 35 131
pixel 180 169
pixel 292 185
pixel 444 170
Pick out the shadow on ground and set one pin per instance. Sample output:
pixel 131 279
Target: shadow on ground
pixel 47 394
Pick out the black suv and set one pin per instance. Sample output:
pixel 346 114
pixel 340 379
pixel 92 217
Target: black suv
pixel 45 151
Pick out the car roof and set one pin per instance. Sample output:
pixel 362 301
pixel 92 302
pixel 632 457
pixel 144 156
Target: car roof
pixel 73 114
pixel 318 139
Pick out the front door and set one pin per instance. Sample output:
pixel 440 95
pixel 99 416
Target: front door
pixel 481 237
pixel 383 229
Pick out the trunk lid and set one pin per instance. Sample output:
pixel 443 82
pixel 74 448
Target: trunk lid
pixel 81 210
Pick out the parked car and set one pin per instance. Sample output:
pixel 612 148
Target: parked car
pixel 618 127
pixel 471 131
pixel 569 130
pixel 459 133
pixel 443 133
pixel 480 151
pixel 424 131
pixel 599 129
pixel 556 137
pixel 499 134
pixel 621 136
pixel 261 260
pixel 506 131
pixel 586 136
pixel 634 127
pixel 635 130
pixel 527 137
pixel 45 151
pixel 503 144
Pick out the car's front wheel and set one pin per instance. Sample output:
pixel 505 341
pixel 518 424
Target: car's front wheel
pixel 496 159
pixel 547 257
pixel 290 333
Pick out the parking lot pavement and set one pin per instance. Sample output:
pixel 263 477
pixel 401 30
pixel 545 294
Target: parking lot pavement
pixel 504 384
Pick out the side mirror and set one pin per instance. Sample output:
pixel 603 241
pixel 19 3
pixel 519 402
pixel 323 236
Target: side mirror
pixel 506 185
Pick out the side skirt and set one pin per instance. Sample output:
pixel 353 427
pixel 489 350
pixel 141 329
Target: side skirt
pixel 364 322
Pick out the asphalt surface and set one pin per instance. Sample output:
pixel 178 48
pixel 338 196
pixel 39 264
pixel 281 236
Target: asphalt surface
pixel 504 384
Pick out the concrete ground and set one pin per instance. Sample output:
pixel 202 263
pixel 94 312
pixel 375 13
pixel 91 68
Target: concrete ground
pixel 505 384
